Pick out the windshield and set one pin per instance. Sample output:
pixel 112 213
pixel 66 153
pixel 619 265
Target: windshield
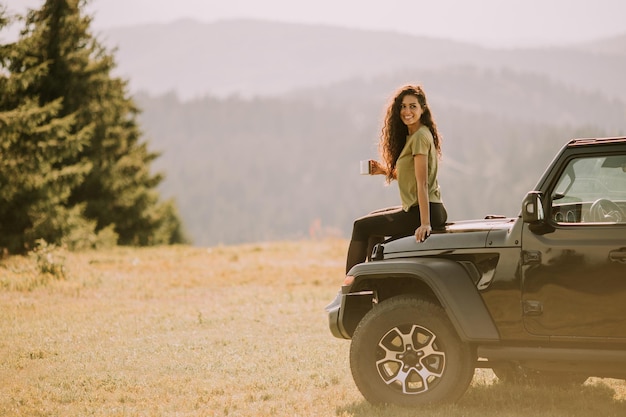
pixel 588 180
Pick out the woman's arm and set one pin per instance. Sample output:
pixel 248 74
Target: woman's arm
pixel 421 175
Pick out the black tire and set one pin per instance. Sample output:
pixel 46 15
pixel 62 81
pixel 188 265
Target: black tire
pixel 406 352
pixel 513 373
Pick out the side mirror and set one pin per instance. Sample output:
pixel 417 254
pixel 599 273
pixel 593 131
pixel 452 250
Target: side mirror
pixel 532 208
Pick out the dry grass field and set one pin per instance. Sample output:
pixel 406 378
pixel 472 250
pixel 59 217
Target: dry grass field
pixel 222 331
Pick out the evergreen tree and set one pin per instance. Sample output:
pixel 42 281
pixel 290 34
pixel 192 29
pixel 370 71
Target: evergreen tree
pixel 116 188
pixel 36 179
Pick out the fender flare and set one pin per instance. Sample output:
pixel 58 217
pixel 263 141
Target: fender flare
pixel 450 283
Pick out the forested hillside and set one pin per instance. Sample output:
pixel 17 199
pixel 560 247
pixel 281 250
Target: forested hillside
pixel 273 168
pixel 261 124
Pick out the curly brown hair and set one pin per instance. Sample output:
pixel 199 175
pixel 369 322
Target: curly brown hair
pixel 394 132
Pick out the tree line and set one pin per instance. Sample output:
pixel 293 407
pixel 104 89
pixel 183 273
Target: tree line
pixel 74 169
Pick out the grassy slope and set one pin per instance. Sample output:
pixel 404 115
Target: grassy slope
pixel 237 331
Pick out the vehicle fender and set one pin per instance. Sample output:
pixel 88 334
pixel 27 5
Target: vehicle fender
pixel 450 283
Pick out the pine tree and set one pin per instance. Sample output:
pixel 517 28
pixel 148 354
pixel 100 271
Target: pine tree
pixel 118 190
pixel 35 144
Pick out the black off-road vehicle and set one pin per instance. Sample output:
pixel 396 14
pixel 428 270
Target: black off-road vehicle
pixel 541 296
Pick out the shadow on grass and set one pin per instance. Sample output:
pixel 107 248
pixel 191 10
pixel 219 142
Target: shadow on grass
pixel 503 400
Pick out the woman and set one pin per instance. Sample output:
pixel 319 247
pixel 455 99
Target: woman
pixel 410 146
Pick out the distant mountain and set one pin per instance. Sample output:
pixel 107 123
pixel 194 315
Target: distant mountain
pixel 503 93
pixel 611 46
pixel 250 58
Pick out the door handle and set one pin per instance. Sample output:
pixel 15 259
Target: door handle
pixel 532 307
pixel 618 255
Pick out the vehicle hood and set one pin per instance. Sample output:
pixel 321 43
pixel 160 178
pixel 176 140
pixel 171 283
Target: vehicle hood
pixel 465 234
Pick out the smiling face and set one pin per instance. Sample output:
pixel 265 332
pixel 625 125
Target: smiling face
pixel 410 112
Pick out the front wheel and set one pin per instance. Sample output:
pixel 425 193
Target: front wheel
pixel 406 352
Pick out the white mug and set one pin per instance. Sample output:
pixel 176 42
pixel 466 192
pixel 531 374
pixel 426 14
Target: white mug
pixel 366 167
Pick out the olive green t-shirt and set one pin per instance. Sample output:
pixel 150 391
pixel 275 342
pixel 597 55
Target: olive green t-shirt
pixel 419 143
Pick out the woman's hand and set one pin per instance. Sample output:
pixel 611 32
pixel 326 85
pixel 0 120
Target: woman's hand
pixel 422 232
pixel 377 168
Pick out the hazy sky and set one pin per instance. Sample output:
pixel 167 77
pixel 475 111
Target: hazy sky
pixel 486 22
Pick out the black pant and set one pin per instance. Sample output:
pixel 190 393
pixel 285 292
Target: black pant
pixel 392 222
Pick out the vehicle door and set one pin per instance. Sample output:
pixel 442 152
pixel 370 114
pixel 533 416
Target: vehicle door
pixel 574 271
